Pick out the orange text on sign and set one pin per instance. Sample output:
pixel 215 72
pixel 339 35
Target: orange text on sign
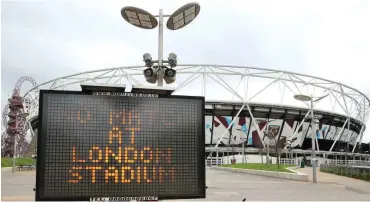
pixel 124 174
pixel 127 155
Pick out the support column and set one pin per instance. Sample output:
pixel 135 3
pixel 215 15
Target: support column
pixel 212 128
pixel 336 139
pixel 299 126
pixel 160 48
pixel 359 138
pixel 256 125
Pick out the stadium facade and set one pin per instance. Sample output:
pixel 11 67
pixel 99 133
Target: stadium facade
pixel 278 123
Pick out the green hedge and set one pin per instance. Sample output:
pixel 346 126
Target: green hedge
pixel 8 162
pixel 362 174
pixel 260 166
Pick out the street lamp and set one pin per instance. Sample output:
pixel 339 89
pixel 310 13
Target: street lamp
pixel 143 19
pixel 244 139
pixel 306 98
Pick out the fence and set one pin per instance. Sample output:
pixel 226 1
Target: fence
pixel 213 161
pixel 293 161
pixel 358 172
pixel 286 161
pixel 349 162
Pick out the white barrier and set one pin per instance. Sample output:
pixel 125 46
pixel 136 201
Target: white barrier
pixel 282 175
pixel 255 158
pixel 285 161
pixel 214 161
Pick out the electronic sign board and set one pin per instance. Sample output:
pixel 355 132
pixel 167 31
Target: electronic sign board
pixel 101 144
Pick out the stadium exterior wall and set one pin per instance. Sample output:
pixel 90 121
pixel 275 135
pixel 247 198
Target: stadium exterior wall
pixel 278 123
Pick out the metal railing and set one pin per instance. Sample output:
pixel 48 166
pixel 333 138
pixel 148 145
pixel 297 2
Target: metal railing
pixel 286 161
pixel 214 161
pixel 348 162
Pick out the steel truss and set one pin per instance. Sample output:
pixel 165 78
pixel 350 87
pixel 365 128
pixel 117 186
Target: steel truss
pixel 233 83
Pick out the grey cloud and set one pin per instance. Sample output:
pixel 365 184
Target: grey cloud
pixel 48 39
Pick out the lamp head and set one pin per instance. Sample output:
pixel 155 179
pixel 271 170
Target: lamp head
pixel 150 75
pixel 147 58
pixel 169 75
pixel 172 60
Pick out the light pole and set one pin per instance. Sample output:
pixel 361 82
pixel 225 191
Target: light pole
pixel 244 139
pixel 143 19
pixel 306 98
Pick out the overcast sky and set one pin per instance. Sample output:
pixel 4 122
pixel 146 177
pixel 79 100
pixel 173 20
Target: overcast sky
pixel 48 39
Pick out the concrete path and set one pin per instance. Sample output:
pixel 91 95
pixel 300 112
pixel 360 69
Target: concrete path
pixel 18 186
pixel 222 186
pixel 347 182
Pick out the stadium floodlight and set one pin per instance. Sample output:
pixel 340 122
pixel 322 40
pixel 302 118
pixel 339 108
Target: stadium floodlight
pixel 169 75
pixel 303 98
pixel 143 19
pixel 151 75
pixel 183 16
pixel 147 58
pixel 139 17
pixel 172 59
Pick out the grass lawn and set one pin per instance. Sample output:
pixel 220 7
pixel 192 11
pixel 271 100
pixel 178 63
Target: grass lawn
pixel 260 166
pixel 8 162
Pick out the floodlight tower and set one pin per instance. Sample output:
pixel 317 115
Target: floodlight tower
pixel 306 98
pixel 143 19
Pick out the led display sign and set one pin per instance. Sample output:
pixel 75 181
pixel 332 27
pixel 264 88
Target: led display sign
pixel 98 145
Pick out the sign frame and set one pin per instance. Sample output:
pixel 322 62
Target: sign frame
pixel 41 145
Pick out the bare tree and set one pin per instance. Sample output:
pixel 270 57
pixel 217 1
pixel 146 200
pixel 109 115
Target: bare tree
pixel 269 138
pixel 279 145
pixel 261 151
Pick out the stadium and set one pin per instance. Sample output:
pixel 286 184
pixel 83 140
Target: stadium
pixel 244 106
pixel 162 130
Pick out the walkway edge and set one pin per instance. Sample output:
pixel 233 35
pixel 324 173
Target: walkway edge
pixel 282 175
pixel 6 169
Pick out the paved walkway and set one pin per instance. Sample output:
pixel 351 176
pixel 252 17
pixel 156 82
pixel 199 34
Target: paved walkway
pixel 360 186
pixel 222 186
pixel 17 186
